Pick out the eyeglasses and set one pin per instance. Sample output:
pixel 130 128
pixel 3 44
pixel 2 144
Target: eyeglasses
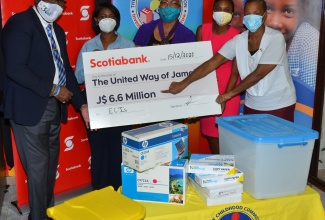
pixel 173 4
pixel 58 2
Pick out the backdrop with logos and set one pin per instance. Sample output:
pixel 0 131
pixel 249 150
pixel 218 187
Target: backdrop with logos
pixel 75 161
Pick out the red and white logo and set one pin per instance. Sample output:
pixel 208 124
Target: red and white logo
pixel 68 143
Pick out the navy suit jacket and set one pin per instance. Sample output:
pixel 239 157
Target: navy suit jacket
pixel 30 69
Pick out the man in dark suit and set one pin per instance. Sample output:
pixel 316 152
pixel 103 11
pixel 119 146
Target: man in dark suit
pixel 38 83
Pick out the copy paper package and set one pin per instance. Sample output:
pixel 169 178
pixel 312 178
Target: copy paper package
pixel 212 163
pixel 206 180
pixel 215 200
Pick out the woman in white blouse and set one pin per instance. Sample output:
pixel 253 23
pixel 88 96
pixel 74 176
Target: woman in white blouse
pixel 262 63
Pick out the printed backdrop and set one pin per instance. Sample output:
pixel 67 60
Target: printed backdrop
pixel 74 162
pixel 136 12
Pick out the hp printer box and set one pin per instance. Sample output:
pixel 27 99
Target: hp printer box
pixel 147 147
pixel 165 183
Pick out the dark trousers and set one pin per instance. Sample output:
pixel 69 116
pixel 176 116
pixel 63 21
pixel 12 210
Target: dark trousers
pixel 106 156
pixel 286 113
pixel 38 148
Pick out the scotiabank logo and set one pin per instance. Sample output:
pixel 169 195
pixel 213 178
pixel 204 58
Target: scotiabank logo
pixel 84 12
pixel 69 143
pixel 117 62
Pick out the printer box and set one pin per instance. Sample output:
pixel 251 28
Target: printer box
pixel 205 180
pixel 212 164
pixel 147 147
pixel 164 184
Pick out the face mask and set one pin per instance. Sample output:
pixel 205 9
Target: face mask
pixel 107 25
pixel 222 18
pixel 253 22
pixel 169 14
pixel 50 12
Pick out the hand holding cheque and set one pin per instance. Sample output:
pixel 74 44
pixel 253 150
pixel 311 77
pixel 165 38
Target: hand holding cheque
pixel 198 73
pixel 124 86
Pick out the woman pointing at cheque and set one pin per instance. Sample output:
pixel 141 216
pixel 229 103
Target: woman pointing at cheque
pixel 262 64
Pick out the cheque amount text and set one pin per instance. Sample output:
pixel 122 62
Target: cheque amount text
pixel 123 97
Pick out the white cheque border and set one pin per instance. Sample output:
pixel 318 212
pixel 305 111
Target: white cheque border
pixel 122 94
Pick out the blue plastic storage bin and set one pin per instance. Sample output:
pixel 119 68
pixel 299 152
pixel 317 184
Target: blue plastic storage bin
pixel 274 154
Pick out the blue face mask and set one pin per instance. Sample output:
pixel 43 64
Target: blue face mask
pixel 169 14
pixel 253 22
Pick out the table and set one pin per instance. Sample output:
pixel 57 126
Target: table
pixel 305 206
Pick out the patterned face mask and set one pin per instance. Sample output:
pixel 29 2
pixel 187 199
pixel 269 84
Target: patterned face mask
pixel 50 12
pixel 169 14
pixel 222 18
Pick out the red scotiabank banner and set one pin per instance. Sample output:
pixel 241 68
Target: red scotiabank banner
pixel 74 162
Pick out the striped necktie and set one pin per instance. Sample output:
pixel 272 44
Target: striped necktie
pixel 57 57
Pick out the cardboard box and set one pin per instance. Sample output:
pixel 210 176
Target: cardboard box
pixel 209 201
pixel 212 163
pixel 206 180
pixel 273 153
pixel 165 183
pixel 150 146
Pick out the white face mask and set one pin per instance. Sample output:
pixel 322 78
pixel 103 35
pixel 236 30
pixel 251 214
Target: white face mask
pixel 50 12
pixel 222 18
pixel 107 25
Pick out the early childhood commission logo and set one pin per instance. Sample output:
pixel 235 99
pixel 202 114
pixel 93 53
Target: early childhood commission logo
pixel 144 11
pixel 236 212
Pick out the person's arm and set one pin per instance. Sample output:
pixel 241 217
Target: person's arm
pixel 260 72
pixel 227 52
pixel 273 53
pixel 85 115
pixel 232 80
pixel 233 77
pixel 199 33
pixel 18 46
pixel 200 72
pixel 79 73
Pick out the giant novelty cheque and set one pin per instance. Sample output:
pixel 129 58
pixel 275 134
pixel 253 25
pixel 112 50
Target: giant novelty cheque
pixel 124 86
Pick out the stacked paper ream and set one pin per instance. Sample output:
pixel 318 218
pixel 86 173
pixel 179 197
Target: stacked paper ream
pixel 215 200
pixel 212 164
pixel 216 184
pixel 205 180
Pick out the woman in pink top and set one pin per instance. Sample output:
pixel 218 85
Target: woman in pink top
pixel 219 32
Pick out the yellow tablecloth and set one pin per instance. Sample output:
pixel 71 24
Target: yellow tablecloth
pixel 305 206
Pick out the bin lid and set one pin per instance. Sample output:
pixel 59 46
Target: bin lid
pixel 98 205
pixel 266 128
